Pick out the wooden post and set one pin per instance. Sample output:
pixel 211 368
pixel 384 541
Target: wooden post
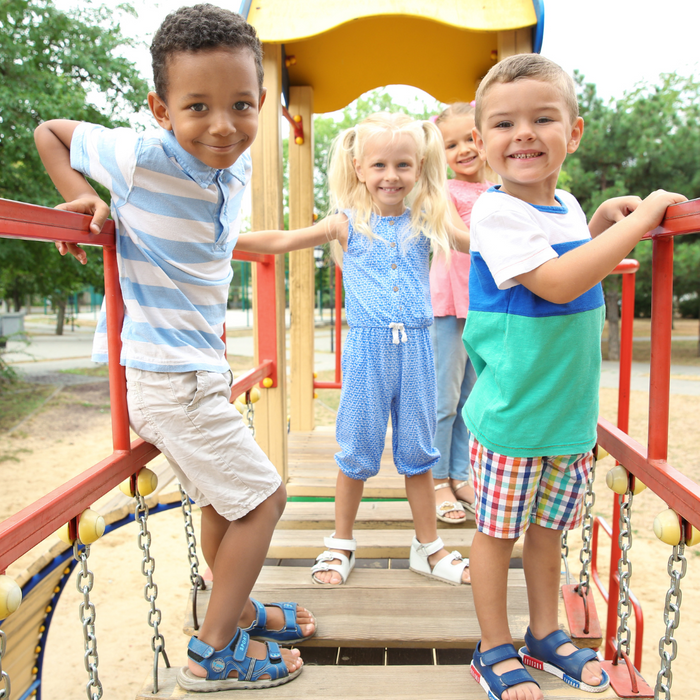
pixel 271 410
pixel 514 41
pixel 301 263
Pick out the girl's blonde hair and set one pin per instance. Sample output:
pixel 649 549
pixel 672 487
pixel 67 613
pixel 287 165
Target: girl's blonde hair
pixel 456 109
pixel 428 200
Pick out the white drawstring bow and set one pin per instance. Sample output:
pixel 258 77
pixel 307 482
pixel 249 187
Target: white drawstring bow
pixel 395 328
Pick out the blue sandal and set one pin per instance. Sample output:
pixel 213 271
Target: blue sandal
pixel 542 654
pixel 493 684
pixel 219 664
pixel 289 634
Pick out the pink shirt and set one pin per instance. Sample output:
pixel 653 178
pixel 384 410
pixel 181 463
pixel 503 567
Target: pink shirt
pixel 449 282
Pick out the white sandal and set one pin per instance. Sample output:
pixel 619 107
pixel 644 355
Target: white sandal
pixel 468 506
pixel 446 507
pixel 347 564
pixel 444 570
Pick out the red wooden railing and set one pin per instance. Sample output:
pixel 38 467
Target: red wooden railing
pixel 27 528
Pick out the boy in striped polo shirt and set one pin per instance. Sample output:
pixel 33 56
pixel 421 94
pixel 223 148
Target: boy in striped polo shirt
pixel 176 197
pixel 536 313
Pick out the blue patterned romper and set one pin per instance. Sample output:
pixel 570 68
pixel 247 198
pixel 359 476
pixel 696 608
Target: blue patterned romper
pixel 387 371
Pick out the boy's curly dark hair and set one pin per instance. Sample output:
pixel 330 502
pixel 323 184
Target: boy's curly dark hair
pixel 200 28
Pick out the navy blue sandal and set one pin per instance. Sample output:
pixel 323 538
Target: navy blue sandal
pixel 289 634
pixel 493 684
pixel 542 654
pixel 219 664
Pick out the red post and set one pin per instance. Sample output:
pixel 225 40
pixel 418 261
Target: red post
pixel 660 375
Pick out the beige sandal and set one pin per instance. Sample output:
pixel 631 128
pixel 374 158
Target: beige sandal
pixel 446 507
pixel 468 506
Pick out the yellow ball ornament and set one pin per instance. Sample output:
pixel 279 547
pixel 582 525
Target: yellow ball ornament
pixel 10 596
pixel 617 480
pixel 267 382
pixel 147 482
pixel 667 527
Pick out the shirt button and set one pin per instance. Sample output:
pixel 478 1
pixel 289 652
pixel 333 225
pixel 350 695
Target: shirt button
pixel 396 289
pixel 393 266
pixel 392 223
pixel 393 245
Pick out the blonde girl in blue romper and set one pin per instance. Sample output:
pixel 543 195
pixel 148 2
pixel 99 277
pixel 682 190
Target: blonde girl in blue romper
pixel 387 181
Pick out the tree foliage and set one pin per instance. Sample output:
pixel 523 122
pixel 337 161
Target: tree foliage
pixel 54 65
pixel 649 139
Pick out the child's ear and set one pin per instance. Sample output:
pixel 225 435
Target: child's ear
pixel 576 134
pixel 358 170
pixel 160 111
pixel 263 95
pixel 479 143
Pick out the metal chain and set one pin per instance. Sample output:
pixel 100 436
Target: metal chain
pixel 565 555
pixel 5 686
pixel 150 590
pixel 624 570
pixel 672 616
pixel 250 414
pixel 586 532
pixel 84 583
pixel 196 579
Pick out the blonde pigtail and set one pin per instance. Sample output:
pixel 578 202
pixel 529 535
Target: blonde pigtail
pixel 429 211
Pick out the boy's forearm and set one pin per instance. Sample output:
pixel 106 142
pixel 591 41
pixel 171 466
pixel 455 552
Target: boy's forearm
pixel 53 141
pixel 563 279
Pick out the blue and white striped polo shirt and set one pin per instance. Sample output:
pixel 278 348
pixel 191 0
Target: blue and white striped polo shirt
pixel 177 224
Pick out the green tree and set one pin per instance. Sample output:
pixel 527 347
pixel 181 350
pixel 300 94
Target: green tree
pixel 55 64
pixel 647 140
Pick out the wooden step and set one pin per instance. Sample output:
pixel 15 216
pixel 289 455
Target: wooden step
pixel 383 608
pixel 370 516
pixel 371 544
pixel 371 683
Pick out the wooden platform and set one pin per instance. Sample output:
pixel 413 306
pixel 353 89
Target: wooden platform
pixel 372 515
pixel 373 683
pixel 313 472
pixel 383 608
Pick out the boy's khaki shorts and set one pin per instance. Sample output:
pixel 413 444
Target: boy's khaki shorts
pixel 188 417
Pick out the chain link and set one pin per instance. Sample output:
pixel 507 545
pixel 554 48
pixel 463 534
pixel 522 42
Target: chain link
pixel 250 414
pixel 196 579
pixel 586 533
pixel 85 580
pixel 565 555
pixel 5 686
pixel 672 616
pixel 150 590
pixel 624 570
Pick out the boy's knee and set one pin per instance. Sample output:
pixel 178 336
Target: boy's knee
pixel 277 501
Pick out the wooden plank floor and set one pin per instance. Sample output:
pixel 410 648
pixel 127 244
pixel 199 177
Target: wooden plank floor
pixel 383 608
pixel 373 683
pixel 372 515
pixel 313 471
pixel 371 544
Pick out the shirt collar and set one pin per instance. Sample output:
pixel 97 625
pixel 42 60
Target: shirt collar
pixel 202 174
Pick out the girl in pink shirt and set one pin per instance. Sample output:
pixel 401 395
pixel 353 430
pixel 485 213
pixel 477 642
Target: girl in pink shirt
pixel 449 290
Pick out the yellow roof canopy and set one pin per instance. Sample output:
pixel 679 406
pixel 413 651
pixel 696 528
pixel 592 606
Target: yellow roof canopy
pixel 342 49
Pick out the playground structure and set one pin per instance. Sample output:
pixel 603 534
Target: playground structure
pixel 21 654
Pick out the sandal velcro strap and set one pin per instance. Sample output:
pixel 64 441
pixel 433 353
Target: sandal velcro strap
pixel 198 650
pixel 430 547
pixel 333 542
pixel 545 650
pixel 503 652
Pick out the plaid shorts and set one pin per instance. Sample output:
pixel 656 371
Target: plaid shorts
pixel 512 492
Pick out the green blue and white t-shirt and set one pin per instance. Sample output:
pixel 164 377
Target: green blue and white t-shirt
pixel 537 363
pixel 177 223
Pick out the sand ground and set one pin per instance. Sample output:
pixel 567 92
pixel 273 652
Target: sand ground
pixel 73 432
